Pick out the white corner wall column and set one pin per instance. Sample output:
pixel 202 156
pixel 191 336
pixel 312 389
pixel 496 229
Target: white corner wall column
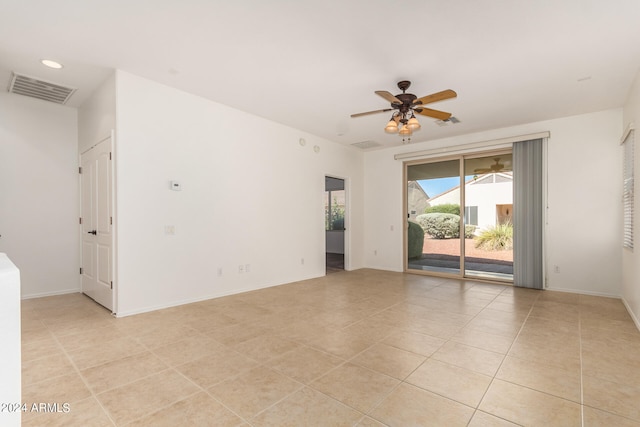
pixel 10 351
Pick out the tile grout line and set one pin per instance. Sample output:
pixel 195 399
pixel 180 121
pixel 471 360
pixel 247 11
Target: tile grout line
pixel 82 378
pixel 95 395
pixel 201 389
pixel 505 356
pixel 404 380
pixel 476 409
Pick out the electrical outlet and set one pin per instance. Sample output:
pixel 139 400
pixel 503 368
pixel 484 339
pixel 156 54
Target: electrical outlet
pixel 375 252
pixel 219 271
pixel 247 268
pixel 301 261
pixel 241 269
pixel 556 269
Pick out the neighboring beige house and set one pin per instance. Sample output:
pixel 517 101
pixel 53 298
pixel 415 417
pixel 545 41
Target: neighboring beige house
pixel 417 199
pixel 488 199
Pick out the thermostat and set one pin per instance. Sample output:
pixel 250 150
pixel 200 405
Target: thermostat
pixel 175 185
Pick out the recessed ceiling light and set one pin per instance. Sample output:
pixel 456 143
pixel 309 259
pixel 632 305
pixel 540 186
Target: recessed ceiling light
pixel 51 64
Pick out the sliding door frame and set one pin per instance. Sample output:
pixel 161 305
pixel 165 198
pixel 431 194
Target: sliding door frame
pixel 461 157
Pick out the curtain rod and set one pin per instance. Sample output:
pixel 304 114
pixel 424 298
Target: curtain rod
pixel 459 149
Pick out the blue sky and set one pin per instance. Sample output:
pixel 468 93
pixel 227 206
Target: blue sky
pixel 433 187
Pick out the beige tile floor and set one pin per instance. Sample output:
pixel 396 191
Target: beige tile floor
pixel 363 348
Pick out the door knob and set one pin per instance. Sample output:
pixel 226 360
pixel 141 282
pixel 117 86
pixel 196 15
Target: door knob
pixel 94 232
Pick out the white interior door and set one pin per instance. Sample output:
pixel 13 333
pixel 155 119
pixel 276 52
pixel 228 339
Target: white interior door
pixel 96 223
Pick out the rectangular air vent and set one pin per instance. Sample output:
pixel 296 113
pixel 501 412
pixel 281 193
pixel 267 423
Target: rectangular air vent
pixel 450 121
pixel 366 144
pixel 40 89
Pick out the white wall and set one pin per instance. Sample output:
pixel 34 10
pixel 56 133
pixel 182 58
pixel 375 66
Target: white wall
pixel 584 220
pixel 97 115
pixel 252 194
pixel 39 193
pixel 485 196
pixel 631 259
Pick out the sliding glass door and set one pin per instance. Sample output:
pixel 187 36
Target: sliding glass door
pixel 459 216
pixel 433 196
pixel 488 209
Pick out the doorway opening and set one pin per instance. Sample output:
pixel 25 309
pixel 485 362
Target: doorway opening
pixel 334 215
pixel 459 214
pixel 96 224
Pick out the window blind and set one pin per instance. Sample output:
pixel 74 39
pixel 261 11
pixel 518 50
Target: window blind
pixel 627 197
pixel 528 214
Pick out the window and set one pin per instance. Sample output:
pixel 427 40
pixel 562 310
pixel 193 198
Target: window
pixel 471 215
pixel 627 197
pixel 334 207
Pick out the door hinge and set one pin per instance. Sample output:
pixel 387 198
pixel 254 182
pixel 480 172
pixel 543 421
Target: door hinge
pixel 80 169
pixel 80 270
pixel 112 285
pixel 109 155
pixel 80 220
pixel 111 220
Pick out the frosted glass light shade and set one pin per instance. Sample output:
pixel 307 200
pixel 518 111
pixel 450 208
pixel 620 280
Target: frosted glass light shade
pixel 405 131
pixel 391 127
pixel 413 124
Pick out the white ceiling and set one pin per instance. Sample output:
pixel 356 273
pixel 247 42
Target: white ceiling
pixel 310 64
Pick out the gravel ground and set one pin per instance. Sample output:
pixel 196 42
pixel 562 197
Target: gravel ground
pixel 452 247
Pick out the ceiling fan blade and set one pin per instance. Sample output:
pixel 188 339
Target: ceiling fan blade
pixel 371 112
pixel 434 97
pixel 436 114
pixel 388 96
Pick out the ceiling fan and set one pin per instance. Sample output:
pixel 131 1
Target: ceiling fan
pixel 403 120
pixel 497 167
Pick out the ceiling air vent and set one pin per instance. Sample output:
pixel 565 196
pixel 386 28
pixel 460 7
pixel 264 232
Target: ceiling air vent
pixel 40 89
pixel 450 121
pixel 366 144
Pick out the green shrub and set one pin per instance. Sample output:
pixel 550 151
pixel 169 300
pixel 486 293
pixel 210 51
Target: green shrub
pixel 416 240
pixel 440 225
pixel 444 226
pixel 469 230
pixel 450 208
pixel 498 238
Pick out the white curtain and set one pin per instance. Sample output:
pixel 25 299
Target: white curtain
pixel 528 214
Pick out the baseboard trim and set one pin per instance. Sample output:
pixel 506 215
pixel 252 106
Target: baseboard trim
pixel 208 297
pixel 583 292
pixel 51 294
pixel 632 314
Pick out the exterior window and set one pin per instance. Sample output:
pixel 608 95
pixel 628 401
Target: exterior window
pixel 471 215
pixel 334 207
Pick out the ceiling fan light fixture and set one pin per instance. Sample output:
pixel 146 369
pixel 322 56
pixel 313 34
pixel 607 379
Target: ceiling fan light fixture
pixel 391 127
pixel 413 124
pixel 405 130
pixel 403 120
